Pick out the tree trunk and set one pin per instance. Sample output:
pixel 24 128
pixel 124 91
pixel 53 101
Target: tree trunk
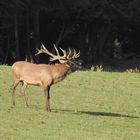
pixel 36 31
pixel 61 35
pixel 16 33
pixel 92 47
pixel 8 46
pixel 28 55
pixel 102 36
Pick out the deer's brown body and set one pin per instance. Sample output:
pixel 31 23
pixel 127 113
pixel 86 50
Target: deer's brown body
pixel 40 75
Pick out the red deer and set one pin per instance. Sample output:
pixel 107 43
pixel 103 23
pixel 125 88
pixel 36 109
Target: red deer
pixel 42 74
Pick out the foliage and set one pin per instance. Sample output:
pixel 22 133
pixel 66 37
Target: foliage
pixel 86 105
pixel 97 68
pixel 136 70
pixel 91 26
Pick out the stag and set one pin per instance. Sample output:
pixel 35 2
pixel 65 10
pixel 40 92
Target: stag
pixel 44 75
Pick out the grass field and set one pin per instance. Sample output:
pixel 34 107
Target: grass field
pixel 87 105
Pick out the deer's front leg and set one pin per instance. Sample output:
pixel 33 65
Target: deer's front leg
pixel 47 98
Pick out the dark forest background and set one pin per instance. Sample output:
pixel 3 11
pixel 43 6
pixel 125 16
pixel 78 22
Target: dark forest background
pixel 105 31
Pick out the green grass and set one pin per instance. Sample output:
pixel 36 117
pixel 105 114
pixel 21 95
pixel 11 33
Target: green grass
pixel 85 106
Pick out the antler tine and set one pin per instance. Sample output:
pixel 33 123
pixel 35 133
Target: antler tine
pixel 44 50
pixel 74 52
pixel 64 52
pixel 76 55
pixel 42 46
pixel 68 56
pixel 38 52
pixel 56 49
pixel 41 50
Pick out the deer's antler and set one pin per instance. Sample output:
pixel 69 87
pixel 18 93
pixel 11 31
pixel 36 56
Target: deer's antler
pixel 54 57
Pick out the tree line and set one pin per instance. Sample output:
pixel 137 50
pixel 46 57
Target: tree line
pixel 92 26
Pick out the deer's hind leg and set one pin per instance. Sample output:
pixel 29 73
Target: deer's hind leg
pixel 16 82
pixel 22 92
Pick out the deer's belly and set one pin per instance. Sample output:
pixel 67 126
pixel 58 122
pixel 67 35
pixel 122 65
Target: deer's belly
pixel 32 82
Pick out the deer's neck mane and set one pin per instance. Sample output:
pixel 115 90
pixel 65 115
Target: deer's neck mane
pixel 59 72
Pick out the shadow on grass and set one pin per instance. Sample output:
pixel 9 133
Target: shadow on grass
pixel 104 114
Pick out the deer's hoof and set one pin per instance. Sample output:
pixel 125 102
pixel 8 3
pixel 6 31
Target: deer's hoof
pixel 48 110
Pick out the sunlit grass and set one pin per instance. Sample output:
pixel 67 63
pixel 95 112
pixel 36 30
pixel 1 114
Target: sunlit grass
pixel 87 105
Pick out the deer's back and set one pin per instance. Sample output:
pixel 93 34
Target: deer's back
pixel 31 73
